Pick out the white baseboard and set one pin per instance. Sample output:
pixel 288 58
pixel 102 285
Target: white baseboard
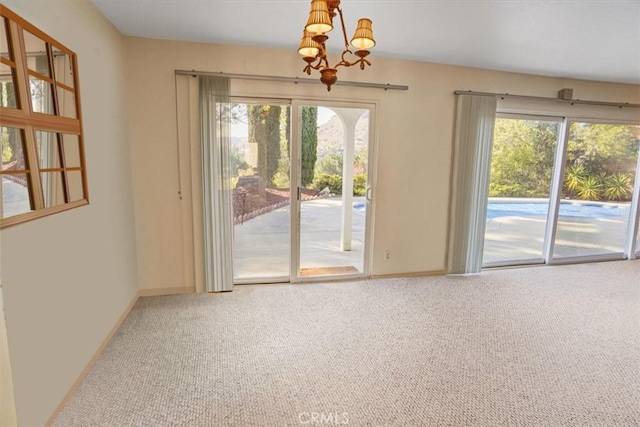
pixel 165 291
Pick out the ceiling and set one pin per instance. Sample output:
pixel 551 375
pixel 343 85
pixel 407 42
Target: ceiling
pixel 583 39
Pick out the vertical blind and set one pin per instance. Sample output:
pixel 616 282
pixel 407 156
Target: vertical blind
pixel 216 183
pixel 475 118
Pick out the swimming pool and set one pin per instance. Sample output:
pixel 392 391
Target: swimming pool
pixel 567 209
pixel 359 206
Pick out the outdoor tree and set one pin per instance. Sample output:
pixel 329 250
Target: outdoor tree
pixel 600 160
pixel 281 177
pixel 610 148
pixel 238 113
pixel 331 164
pixel 309 144
pixel 523 155
pixel 264 130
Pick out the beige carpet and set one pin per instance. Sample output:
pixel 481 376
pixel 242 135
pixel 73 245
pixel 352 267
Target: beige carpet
pixel 542 346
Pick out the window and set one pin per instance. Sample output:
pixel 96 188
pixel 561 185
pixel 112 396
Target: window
pixel 41 141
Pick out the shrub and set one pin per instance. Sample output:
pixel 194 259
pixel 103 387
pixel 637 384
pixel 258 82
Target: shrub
pixel 360 184
pixel 333 182
pixel 280 179
pixel 574 176
pixel 330 165
pixel 590 188
pixel 617 187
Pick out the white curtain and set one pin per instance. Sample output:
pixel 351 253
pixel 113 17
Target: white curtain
pixel 216 186
pixel 475 118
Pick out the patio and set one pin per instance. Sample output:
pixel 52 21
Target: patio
pixel 512 238
pixel 261 244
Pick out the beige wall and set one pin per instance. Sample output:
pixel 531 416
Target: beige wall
pixel 68 278
pixel 8 416
pixel 414 140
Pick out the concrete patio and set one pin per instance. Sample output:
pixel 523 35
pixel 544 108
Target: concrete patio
pixel 261 245
pixel 513 238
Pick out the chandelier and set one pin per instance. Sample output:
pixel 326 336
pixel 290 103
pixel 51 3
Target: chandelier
pixel 313 48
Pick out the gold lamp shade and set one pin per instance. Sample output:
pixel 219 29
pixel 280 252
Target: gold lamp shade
pixel 308 47
pixel 314 37
pixel 319 19
pixel 363 37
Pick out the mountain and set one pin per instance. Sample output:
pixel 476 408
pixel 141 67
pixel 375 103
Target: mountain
pixel 330 138
pixel 331 134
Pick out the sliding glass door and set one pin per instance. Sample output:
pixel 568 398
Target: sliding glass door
pixel 599 177
pixel 561 191
pixel 259 164
pixel 333 190
pixel 318 225
pixel 524 149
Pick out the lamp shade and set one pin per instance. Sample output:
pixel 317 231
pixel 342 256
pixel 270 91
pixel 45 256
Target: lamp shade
pixel 319 20
pixel 308 47
pixel 363 37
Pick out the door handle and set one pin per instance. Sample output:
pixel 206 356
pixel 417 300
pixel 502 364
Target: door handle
pixel 368 193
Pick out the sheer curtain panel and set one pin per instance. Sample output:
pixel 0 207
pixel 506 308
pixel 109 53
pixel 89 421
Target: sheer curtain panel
pixel 216 183
pixel 475 118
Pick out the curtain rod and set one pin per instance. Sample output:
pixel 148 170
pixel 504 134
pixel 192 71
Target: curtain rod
pixel 542 98
pixel 289 79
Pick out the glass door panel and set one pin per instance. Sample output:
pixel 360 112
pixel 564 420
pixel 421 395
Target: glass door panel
pixel 519 187
pixel 259 163
pixel 334 146
pixel 599 176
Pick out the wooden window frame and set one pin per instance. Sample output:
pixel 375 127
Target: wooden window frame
pixel 29 122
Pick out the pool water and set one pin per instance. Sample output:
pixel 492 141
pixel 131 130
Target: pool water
pixel 567 209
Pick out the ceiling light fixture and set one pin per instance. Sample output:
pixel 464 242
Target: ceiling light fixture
pixel 313 48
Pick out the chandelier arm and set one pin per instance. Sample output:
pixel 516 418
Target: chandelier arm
pixel 344 30
pixel 347 50
pixel 363 62
pixel 344 63
pixel 318 65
